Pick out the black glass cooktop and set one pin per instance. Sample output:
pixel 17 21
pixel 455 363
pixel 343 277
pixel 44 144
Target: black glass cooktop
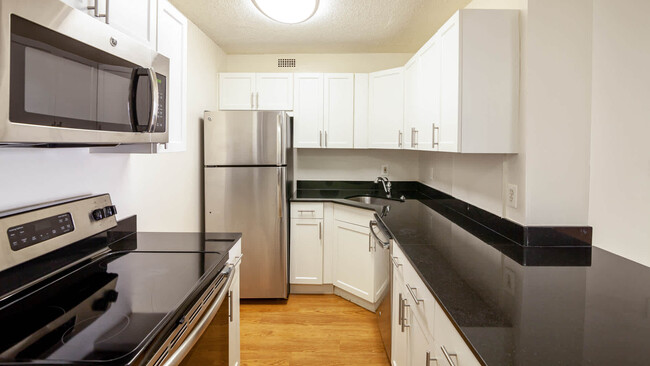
pixel 106 311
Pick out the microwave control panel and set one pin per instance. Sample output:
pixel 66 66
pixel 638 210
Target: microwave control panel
pixel 23 236
pixel 161 122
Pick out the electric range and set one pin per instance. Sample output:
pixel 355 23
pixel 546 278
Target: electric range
pixel 106 295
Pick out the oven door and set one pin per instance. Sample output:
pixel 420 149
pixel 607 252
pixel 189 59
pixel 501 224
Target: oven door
pixel 69 79
pixel 202 337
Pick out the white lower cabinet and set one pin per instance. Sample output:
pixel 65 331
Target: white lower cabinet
pixel 420 328
pixel 331 244
pixel 235 258
pixel 306 262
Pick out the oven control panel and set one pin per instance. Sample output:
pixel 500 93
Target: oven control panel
pixel 23 236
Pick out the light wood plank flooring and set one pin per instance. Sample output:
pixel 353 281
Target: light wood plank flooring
pixel 309 330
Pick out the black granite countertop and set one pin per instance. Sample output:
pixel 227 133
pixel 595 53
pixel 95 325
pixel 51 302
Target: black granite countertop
pixel 515 305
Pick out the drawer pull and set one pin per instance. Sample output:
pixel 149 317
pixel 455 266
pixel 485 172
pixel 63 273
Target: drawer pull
pixel 397 265
pixel 404 306
pixel 429 359
pixel 301 211
pixel 448 356
pixel 412 290
pixel 399 310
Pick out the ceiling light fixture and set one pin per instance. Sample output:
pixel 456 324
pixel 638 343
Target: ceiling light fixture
pixel 287 11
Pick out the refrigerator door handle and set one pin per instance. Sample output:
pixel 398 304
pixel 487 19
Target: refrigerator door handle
pixel 280 188
pixel 280 139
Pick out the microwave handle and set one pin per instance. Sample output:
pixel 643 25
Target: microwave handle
pixel 133 96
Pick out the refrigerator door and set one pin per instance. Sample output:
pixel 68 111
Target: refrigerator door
pixel 242 138
pixel 253 201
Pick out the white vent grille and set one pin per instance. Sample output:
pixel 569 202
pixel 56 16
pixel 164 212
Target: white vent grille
pixel 286 62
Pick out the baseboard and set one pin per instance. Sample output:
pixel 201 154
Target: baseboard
pixel 311 289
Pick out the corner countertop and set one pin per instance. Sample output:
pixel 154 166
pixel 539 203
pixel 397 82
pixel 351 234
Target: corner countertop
pixel 574 306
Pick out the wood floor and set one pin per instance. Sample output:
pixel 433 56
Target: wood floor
pixel 309 330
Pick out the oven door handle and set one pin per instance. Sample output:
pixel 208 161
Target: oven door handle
pixel 133 99
pixel 203 323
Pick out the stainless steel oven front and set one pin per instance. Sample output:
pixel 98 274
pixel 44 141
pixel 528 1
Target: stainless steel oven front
pixel 68 79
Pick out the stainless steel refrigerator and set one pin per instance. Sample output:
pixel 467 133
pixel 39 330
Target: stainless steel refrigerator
pixel 248 180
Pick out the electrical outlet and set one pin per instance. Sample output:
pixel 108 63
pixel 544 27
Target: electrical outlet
pixel 509 280
pixel 511 195
pixel 384 170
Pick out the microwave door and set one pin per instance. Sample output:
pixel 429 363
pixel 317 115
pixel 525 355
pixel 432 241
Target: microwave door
pixel 144 100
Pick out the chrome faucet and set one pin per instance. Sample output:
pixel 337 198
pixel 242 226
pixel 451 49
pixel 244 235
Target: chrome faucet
pixel 386 183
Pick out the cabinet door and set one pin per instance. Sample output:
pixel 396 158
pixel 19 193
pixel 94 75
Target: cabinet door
pixel 360 111
pixel 386 109
pixel 137 18
pixel 237 91
pixel 274 92
pixel 306 251
pixel 339 110
pixel 420 343
pixel 412 102
pixel 429 123
pixel 308 110
pixel 234 325
pixel 450 79
pixel 398 337
pixel 172 42
pixel 353 260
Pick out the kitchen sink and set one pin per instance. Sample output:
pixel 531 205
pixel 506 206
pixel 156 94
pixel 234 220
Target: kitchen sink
pixel 381 201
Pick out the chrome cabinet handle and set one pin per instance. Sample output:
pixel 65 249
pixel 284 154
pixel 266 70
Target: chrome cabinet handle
pixel 252 100
pixel 257 100
pixel 397 265
pixel 320 138
pixel 448 356
pixel 417 137
pixel 435 141
pixel 412 137
pixel 412 290
pixel 94 8
pixel 399 138
pixel 231 310
pixel 404 306
pixel 429 359
pixel 325 138
pixel 320 234
pixel 312 211
pixel 105 15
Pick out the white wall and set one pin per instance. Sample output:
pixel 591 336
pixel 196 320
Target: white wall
pixel 345 164
pixel 620 154
pixel 318 62
pixel 164 190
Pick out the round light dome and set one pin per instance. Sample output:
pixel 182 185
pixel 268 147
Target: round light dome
pixel 287 11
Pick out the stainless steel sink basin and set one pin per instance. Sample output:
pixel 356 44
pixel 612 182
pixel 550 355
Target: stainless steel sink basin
pixel 374 200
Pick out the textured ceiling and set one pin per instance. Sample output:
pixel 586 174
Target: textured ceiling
pixel 338 26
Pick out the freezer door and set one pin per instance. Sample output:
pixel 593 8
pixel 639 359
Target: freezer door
pixel 236 138
pixel 253 201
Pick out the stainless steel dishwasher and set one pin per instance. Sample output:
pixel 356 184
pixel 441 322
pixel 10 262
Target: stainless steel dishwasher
pixel 382 237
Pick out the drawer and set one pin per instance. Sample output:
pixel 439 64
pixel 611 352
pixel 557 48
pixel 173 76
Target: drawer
pixel 234 253
pixel 447 336
pixel 353 215
pixel 307 210
pixel 422 302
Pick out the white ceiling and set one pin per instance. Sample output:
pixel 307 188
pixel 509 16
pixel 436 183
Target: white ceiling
pixel 338 26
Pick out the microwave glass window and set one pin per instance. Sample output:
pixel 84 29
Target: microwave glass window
pixel 58 81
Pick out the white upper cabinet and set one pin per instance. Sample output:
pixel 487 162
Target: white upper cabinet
pixel 324 110
pixel 256 91
pixel 386 109
pixel 274 92
pixel 412 102
pixel 339 110
pixel 428 122
pixel 308 110
pixel 172 42
pixel 360 111
pixel 237 91
pixel 479 107
pixel 137 18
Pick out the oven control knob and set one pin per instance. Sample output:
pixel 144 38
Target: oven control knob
pixel 111 295
pixel 98 214
pixel 110 211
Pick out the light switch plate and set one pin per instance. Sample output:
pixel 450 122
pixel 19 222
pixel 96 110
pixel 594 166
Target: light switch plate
pixel 509 280
pixel 511 195
pixel 384 170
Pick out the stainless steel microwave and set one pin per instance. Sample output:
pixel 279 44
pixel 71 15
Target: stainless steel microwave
pixel 67 79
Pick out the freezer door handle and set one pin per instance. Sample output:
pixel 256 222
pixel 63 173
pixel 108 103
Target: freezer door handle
pixel 280 193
